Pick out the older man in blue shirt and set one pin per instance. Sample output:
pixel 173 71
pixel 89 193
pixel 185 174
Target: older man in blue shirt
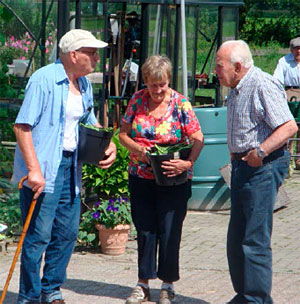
pixel 56 97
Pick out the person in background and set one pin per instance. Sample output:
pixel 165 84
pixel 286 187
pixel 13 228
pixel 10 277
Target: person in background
pixel 288 73
pixel 259 124
pixel 46 128
pixel 288 68
pixel 158 115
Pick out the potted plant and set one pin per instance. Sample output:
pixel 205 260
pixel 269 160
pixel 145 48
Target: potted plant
pixel 112 218
pixel 158 154
pixel 102 185
pixel 93 142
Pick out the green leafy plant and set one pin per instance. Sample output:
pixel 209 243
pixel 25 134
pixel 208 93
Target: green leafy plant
pixel 10 214
pixel 163 150
pixel 111 182
pixel 112 212
pixel 6 89
pixel 109 213
pixel 109 129
pixel 104 185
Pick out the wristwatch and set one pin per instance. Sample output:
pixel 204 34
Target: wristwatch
pixel 260 152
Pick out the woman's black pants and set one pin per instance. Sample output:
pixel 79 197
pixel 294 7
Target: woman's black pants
pixel 158 213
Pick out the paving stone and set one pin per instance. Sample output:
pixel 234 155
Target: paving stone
pixel 94 278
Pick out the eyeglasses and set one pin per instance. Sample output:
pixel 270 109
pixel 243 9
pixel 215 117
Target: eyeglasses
pixel 89 53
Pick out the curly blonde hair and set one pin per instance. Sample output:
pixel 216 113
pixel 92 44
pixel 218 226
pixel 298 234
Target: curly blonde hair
pixel 157 68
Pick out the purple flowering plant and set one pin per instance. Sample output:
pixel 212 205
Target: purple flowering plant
pixel 112 212
pixel 109 212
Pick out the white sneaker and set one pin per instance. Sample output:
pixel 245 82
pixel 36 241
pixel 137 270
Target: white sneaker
pixel 167 296
pixel 139 294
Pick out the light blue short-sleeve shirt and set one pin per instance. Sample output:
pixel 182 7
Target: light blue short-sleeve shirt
pixel 44 109
pixel 288 71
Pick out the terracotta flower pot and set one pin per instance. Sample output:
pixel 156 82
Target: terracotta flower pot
pixel 113 241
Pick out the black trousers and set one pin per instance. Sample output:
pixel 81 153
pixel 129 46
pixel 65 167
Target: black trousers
pixel 158 213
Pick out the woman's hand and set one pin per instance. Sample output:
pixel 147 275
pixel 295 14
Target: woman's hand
pixel 141 152
pixel 175 167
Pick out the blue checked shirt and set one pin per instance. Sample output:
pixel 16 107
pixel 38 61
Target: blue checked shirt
pixel 288 71
pixel 255 108
pixel 44 109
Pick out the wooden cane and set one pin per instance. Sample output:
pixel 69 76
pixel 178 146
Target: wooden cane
pixel 25 228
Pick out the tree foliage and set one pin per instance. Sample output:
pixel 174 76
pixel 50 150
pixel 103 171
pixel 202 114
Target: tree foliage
pixel 265 21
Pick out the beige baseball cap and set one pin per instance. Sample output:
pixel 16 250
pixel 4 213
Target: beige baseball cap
pixel 295 42
pixel 76 39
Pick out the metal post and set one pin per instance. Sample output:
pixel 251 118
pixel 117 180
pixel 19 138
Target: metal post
pixel 156 42
pixel 78 14
pixel 43 34
pixel 103 102
pixel 237 19
pixel 62 20
pixel 218 101
pixel 144 38
pixel 176 48
pixel 195 53
pixel 168 31
pixel 183 46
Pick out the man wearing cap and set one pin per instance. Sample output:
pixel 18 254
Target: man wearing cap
pixel 46 128
pixel 288 73
pixel 288 67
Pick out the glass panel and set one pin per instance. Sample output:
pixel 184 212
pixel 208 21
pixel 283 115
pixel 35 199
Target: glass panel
pixel 162 40
pixel 229 32
pixel 229 23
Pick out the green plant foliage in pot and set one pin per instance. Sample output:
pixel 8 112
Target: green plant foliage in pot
pixel 103 185
pixel 110 213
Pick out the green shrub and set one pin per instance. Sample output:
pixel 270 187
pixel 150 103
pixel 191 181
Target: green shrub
pixel 111 182
pixel 103 184
pixel 10 214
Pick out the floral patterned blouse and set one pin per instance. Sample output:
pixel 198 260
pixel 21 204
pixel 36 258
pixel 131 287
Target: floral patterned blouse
pixel 178 123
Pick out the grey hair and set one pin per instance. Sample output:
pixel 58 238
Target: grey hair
pixel 157 68
pixel 240 52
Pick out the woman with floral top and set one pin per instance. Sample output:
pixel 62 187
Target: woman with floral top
pixel 158 115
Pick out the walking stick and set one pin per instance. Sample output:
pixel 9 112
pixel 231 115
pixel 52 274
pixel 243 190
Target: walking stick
pixel 25 228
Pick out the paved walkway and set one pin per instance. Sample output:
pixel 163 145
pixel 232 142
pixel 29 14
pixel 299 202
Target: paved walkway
pixel 94 278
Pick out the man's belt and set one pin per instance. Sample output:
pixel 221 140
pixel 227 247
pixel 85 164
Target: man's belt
pixel 239 156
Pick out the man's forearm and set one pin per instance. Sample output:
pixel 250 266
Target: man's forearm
pixel 25 143
pixel 279 137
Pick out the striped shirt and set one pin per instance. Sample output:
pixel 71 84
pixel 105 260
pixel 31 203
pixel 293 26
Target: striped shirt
pixel 255 108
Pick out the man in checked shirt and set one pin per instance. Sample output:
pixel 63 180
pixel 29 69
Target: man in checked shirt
pixel 259 123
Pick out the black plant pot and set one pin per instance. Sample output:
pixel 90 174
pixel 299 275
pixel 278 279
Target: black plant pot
pixel 160 178
pixel 92 145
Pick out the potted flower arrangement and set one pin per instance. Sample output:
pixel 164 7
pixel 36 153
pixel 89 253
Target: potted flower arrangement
pixel 112 218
